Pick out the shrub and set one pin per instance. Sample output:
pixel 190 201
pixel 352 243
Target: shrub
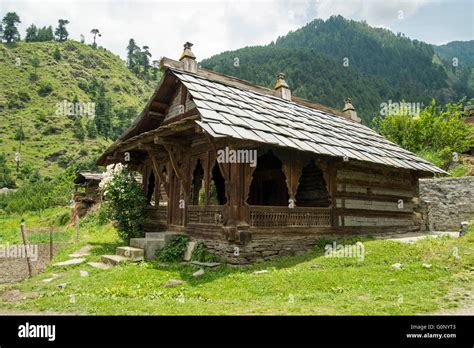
pixel 39 195
pixel 435 134
pixel 175 249
pixel 57 54
pixel 45 88
pixel 322 242
pixel 202 254
pixel 125 202
pixel 6 179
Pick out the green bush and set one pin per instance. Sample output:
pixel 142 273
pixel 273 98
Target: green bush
pixel 39 195
pixel 202 254
pixel 175 249
pixel 6 179
pixel 46 87
pixel 322 242
pixel 125 204
pixel 435 134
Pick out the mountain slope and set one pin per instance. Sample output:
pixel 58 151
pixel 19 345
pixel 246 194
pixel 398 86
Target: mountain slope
pixel 337 58
pixel 30 100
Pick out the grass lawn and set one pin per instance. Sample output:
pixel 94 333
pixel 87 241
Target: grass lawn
pixel 302 285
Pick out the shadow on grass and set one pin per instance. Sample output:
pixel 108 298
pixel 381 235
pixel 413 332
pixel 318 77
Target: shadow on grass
pixel 186 270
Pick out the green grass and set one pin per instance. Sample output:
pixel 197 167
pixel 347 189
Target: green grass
pixel 308 284
pixel 10 225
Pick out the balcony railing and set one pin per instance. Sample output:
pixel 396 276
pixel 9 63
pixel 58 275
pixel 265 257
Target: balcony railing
pixel 270 216
pixel 210 215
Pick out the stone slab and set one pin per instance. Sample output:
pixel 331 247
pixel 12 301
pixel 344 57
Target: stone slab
pixel 114 259
pixel 69 262
pixel 189 251
pixel 99 265
pixel 132 253
pixel 206 264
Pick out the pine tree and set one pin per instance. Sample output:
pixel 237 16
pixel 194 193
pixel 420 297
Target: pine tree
pixel 57 54
pixel 131 49
pixel 61 32
pixel 78 129
pixel 31 33
pixel 10 32
pixel 95 32
pixel 45 34
pixel 91 129
pixel 103 112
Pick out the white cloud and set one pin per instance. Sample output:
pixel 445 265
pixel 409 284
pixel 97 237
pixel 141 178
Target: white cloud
pixel 213 26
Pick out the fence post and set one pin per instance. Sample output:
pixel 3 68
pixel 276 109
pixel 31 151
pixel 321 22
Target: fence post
pixel 23 235
pixel 77 228
pixel 50 243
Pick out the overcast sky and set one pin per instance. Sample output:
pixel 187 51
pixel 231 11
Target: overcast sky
pixel 216 26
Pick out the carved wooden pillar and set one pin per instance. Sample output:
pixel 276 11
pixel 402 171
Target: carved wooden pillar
pixel 247 178
pixel 292 168
pixel 329 169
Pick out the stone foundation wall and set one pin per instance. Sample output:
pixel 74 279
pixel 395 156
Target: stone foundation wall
pixel 262 249
pixel 447 202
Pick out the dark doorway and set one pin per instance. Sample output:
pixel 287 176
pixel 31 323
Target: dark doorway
pixel 217 187
pixel 312 190
pixel 150 193
pixel 197 193
pixel 268 185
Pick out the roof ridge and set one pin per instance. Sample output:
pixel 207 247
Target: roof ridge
pixel 269 92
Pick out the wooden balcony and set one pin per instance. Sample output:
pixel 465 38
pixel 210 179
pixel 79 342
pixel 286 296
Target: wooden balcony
pixel 269 216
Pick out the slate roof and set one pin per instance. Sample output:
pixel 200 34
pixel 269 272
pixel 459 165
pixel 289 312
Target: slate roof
pixel 231 111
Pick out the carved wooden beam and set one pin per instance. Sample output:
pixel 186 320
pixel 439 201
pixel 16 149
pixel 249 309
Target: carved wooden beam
pixel 158 172
pixel 224 169
pixel 180 171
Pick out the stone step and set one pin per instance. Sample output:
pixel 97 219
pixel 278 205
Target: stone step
pixel 155 235
pixel 99 265
pixel 152 247
pixel 138 243
pixel 114 260
pixel 134 254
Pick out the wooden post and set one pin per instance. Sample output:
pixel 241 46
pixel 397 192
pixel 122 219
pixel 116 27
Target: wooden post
pixel 23 235
pixel 50 243
pixel 77 228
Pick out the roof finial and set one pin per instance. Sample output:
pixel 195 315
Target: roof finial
pixel 187 53
pixel 188 58
pixel 349 111
pixel 281 87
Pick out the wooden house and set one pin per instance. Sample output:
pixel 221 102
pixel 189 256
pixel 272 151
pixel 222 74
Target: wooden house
pixel 318 171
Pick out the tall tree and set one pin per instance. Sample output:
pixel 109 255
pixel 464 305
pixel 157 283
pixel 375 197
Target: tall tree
pixel 31 33
pixel 10 31
pixel 45 34
pixel 131 49
pixel 95 32
pixel 61 32
pixel 145 60
pixel 78 129
pixel 103 112
pixel 91 129
pixel 35 62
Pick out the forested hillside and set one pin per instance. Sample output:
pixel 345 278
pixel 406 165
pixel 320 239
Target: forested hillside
pixel 325 61
pixel 64 101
